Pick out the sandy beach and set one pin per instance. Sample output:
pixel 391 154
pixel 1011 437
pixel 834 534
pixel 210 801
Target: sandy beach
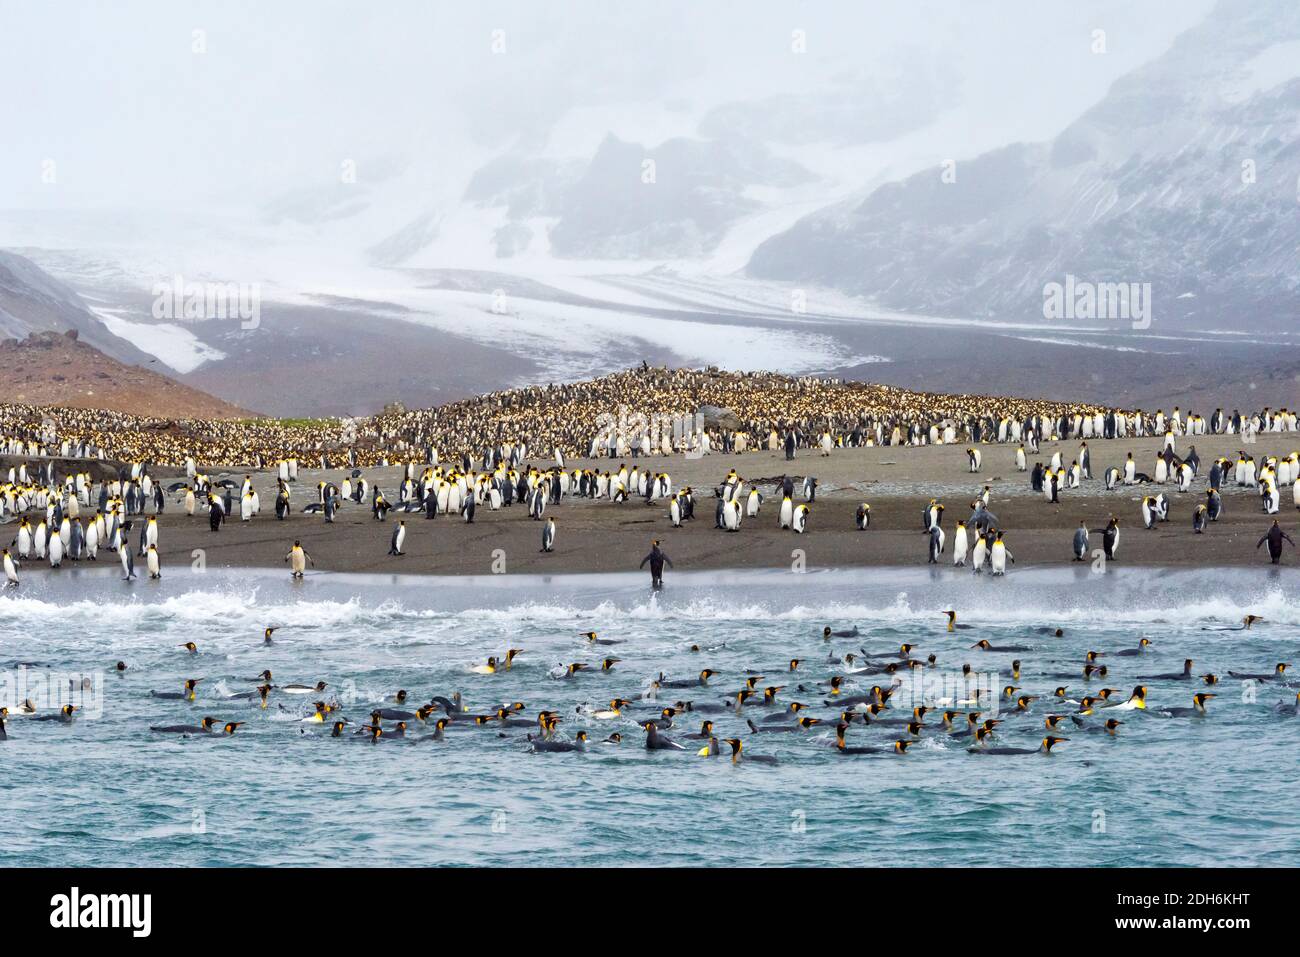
pixel 600 536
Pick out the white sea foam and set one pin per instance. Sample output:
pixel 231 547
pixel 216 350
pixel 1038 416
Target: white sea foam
pixel 1185 598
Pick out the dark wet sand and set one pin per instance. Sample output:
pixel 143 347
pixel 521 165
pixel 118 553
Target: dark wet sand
pixel 601 536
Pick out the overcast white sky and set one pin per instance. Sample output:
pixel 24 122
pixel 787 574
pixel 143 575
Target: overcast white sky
pixel 114 94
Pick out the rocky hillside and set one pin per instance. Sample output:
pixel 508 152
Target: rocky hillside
pixel 52 368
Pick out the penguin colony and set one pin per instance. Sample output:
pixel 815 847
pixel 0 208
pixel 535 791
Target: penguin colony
pixel 560 420
pixel 52 519
pixel 841 704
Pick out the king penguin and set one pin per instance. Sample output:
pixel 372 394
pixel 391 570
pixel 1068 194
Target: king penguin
pixel 548 535
pixel 1081 541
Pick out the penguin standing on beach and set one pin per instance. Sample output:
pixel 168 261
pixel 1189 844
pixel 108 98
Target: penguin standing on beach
pixel 958 545
pixel 548 535
pixel 1200 518
pixel 1110 540
pixel 936 544
pixel 1081 542
pixel 800 518
pixel 863 517
pixel 787 512
pixel 153 564
pixel 998 556
pixel 399 537
pixel 1213 504
pixel 1274 537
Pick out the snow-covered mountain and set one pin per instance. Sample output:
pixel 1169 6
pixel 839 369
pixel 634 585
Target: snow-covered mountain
pixel 1185 176
pixel 33 301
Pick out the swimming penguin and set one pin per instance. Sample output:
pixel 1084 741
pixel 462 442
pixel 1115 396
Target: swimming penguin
pixel 1278 674
pixel 65 715
pixel 737 747
pixel 1142 645
pixel 1044 748
pixel 398 538
pixel 303 689
pixel 187 695
pixel 548 746
pixel 953 624
pixel 1081 541
pixel 1197 710
pixel 204 727
pixel 298 559
pixel 1184 675
pixel 654 741
pixel 548 535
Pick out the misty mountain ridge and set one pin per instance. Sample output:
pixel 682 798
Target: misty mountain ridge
pixel 1185 176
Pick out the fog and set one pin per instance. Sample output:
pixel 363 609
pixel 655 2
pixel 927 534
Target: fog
pixel 159 105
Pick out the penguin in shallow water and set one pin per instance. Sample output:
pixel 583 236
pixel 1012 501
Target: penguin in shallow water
pixel 153 564
pixel 11 570
pixel 128 562
pixel 298 559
